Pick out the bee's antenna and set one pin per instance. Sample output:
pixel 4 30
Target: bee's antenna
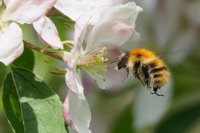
pixel 113 60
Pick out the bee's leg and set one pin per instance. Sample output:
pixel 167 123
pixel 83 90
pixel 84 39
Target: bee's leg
pixel 146 76
pixel 127 70
pixel 136 71
pixel 123 62
pixel 155 92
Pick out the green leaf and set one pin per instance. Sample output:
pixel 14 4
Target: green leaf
pixel 3 72
pixel 30 105
pixel 181 120
pixel 26 60
pixel 12 105
pixel 63 25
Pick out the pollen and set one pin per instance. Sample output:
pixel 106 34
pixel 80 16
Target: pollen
pixel 94 58
pixel 3 25
pixel 94 63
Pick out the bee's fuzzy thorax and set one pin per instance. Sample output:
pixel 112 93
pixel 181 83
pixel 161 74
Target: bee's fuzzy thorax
pixel 141 52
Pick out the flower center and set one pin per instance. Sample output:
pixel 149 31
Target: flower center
pixel 94 63
pixel 3 24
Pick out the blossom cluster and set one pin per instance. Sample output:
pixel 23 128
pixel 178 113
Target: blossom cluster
pixel 101 27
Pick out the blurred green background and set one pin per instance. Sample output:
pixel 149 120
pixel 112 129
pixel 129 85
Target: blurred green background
pixel 171 28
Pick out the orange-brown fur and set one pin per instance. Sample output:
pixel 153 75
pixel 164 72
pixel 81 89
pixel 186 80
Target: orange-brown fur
pixel 147 57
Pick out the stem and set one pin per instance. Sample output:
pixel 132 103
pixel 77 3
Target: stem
pixel 68 43
pixel 43 51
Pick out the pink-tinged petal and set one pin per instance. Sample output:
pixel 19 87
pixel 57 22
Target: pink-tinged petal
pixel 11 43
pixel 77 113
pixel 112 33
pixel 47 32
pixel 75 8
pixel 66 113
pixel 132 42
pixel 27 11
pixel 81 27
pixel 76 109
pixel 73 81
pixel 72 78
pixel 110 26
pixel 113 77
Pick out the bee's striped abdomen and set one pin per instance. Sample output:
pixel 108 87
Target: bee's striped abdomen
pixel 159 72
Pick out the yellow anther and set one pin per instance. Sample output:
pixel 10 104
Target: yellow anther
pixel 93 62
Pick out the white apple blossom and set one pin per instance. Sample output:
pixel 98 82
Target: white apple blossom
pixel 18 11
pixel 98 34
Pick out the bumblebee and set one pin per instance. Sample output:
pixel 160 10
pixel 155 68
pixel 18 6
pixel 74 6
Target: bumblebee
pixel 147 67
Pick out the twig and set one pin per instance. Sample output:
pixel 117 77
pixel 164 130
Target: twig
pixel 43 51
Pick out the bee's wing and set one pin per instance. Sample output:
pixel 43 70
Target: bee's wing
pixel 137 72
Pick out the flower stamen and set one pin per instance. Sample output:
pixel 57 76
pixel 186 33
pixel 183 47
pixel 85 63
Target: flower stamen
pixel 94 63
pixel 93 72
pixel 68 43
pixel 3 25
pixel 97 57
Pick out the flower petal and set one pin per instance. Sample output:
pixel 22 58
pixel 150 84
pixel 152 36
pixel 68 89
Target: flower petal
pixel 113 76
pixel 77 113
pixel 149 109
pixel 76 109
pixel 47 31
pixel 110 26
pixel 73 79
pixel 132 42
pixel 27 11
pixel 66 113
pixel 80 31
pixel 110 33
pixel 11 43
pixel 75 8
